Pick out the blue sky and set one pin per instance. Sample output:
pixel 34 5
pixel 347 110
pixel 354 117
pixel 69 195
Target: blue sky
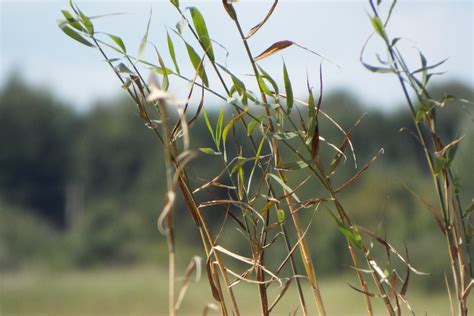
pixel 32 44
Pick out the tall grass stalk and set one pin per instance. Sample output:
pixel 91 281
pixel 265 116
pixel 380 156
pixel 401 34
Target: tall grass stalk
pixel 276 146
pixel 453 222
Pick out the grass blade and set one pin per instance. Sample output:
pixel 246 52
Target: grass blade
pixel 74 35
pixel 201 29
pixel 288 90
pixel 274 48
pixel 257 27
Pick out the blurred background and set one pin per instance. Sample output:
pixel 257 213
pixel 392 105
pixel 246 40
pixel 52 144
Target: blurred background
pixel 82 180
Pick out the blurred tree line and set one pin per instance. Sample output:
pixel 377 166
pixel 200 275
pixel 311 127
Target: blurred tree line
pixel 85 188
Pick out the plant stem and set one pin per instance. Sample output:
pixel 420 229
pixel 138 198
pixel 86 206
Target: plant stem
pixel 306 256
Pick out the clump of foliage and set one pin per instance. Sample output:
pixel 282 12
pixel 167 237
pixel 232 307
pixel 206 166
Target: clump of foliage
pixel 264 173
pixel 453 218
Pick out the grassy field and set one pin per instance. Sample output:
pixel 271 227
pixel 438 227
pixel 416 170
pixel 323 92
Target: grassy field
pixel 143 291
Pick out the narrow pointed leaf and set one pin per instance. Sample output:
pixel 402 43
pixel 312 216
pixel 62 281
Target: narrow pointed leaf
pixel 172 53
pixel 267 77
pixel 74 35
pixel 281 216
pixel 254 123
pixel 201 29
pixel 87 23
pixel 263 86
pixel 312 115
pixel 378 26
pixel 162 71
pixel 209 151
pixel 274 48
pixel 117 40
pixel 288 90
pixel 72 21
pixel 257 157
pixel 208 124
pixel 257 27
pixel 220 122
pixel 285 186
pixel 352 235
pixel 144 41
pixel 239 86
pixel 166 82
pixel 229 9
pixel 230 124
pixel 175 3
pixel 198 66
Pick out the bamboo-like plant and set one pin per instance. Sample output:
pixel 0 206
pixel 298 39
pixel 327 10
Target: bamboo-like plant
pixel 454 220
pixel 257 171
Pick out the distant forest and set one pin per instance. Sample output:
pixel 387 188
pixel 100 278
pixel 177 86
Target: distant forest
pixel 86 187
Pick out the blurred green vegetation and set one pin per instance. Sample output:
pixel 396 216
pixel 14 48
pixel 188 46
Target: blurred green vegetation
pixel 82 189
pixel 140 291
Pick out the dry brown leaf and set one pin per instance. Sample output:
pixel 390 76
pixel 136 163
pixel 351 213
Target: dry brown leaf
pixel 255 29
pixel 274 48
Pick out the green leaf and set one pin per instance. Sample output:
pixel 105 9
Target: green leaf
pixel 220 122
pixel 352 235
pixel 378 26
pixel 72 21
pixel 175 3
pixel 74 35
pixel 254 123
pixel 420 115
pixel 209 126
pixel 257 157
pixel 230 124
pixel 269 79
pixel 172 53
pixel 209 151
pixel 239 86
pixel 288 90
pixel 144 41
pixel 201 30
pixel 285 186
pixel 162 71
pixel 439 164
pixel 73 7
pixel 117 40
pixel 312 116
pixel 166 81
pixel 240 181
pixel 263 86
pixel 451 151
pixel 198 66
pixel 281 215
pixel 238 165
pixel 311 106
pixel 87 23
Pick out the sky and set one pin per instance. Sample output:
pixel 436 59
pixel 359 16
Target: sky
pixel 33 46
